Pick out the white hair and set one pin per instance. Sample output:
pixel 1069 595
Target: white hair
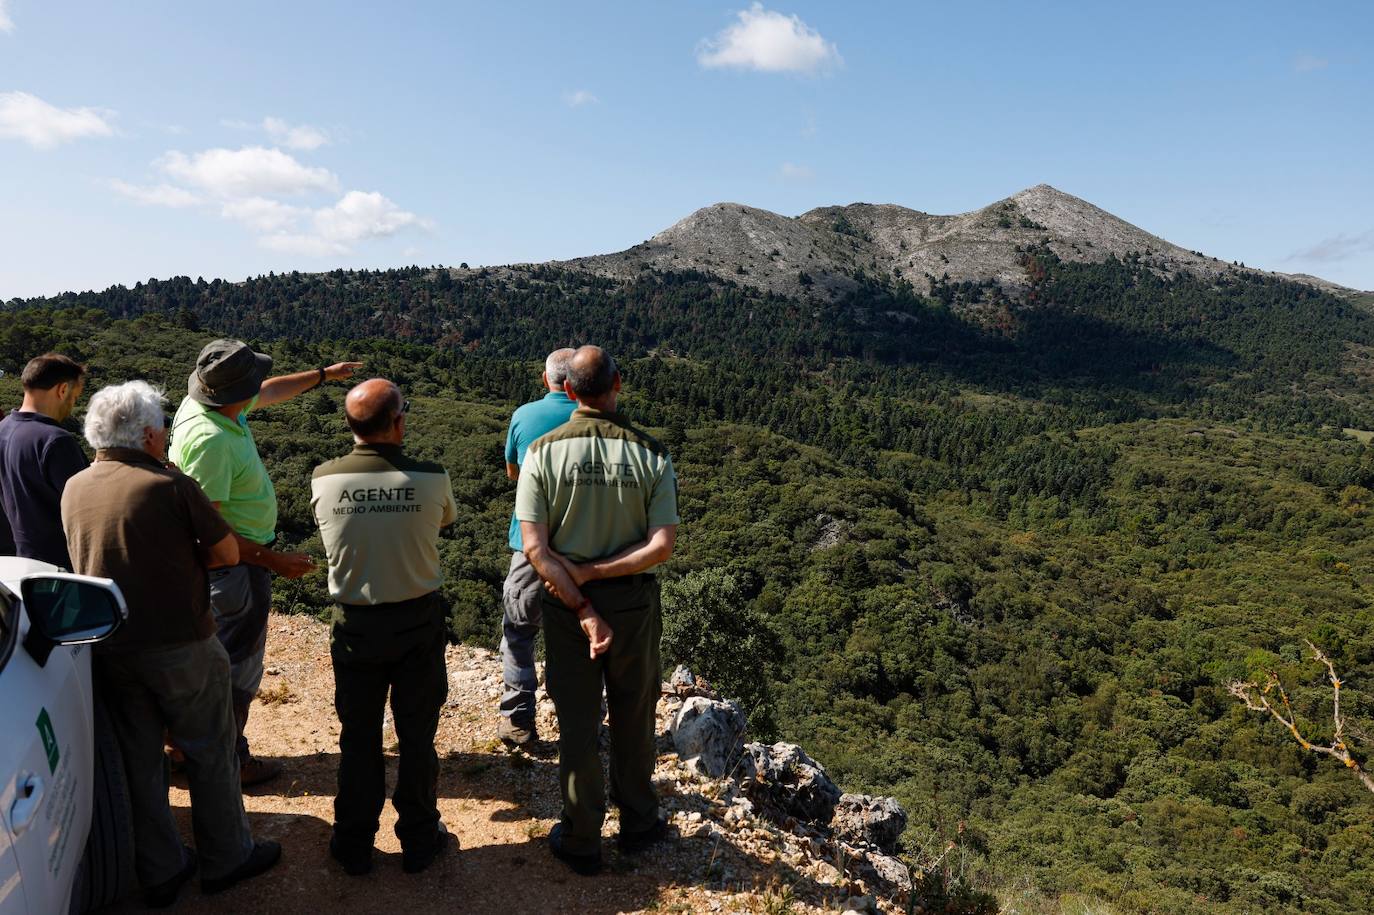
pixel 117 415
pixel 556 366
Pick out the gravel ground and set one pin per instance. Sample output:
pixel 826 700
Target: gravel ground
pixel 500 805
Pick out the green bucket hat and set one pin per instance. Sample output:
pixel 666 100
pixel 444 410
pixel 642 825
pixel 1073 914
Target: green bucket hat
pixel 227 371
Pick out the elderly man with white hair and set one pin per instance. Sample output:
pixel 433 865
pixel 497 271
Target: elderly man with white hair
pixel 149 527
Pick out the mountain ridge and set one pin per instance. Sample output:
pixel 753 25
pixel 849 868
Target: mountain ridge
pixel 819 252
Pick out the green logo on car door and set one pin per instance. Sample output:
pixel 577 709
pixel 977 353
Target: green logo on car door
pixel 49 740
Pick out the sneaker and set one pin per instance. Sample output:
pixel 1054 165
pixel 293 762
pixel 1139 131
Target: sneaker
pixel 261 859
pixel 356 862
pixel 632 842
pixel 586 865
pixel 165 893
pixel 516 735
pixel 255 770
pixel 413 862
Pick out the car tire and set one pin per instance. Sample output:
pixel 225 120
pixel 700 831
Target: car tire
pixel 106 874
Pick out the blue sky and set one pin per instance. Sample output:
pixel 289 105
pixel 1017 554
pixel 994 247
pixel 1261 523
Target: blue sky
pixel 151 138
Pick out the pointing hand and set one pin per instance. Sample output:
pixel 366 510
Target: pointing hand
pixel 341 370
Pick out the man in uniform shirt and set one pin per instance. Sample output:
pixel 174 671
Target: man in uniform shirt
pixel 212 444
pixel 597 504
pixel 37 457
pixel 520 596
pixel 379 513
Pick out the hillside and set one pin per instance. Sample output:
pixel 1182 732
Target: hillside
pixel 1003 571
pixel 828 245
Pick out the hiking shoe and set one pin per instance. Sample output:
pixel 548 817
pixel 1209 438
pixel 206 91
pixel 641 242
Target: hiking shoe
pixel 586 865
pixel 356 861
pixel 165 893
pixel 255 770
pixel 632 842
pixel 413 862
pixel 516 735
pixel 261 859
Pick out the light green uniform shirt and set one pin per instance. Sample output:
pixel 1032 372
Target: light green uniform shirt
pixel 599 483
pixel 220 455
pixel 379 514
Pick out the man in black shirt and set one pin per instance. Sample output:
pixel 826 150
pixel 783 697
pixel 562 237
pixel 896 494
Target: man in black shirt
pixel 37 457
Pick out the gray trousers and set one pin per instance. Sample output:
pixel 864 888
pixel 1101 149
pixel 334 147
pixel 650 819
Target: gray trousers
pixel 241 598
pixel 520 598
pixel 183 691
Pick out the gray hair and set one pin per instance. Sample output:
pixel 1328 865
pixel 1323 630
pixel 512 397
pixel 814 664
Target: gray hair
pixel 556 366
pixel 117 415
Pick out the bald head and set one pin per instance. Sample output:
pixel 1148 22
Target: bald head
pixel 372 409
pixel 592 375
pixel 556 368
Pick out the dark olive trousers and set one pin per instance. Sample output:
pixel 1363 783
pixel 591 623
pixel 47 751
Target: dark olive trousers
pixel 631 675
pixel 397 647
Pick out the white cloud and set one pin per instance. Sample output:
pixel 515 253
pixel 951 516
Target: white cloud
pixel 1306 63
pixel 769 41
pixel 579 98
pixel 27 117
pixel 252 171
pixel 6 23
pixel 791 172
pixel 262 214
pixel 358 216
pixel 299 136
pixel 161 195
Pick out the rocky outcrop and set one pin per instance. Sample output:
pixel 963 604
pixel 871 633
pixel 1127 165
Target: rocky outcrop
pixel 868 820
pixel 785 782
pixel 709 734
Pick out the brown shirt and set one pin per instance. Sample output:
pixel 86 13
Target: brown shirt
pixel 130 519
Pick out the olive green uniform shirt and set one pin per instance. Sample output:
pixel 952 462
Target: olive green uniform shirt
pixel 220 455
pixel 599 483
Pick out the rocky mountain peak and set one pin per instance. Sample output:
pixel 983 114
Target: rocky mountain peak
pixel 820 253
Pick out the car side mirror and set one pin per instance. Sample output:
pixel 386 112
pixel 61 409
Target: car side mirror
pixel 68 609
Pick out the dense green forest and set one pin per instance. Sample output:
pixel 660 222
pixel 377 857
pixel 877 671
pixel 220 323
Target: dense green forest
pixel 1002 568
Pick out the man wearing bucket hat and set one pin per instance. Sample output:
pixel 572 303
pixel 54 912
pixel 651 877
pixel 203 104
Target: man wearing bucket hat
pixel 212 443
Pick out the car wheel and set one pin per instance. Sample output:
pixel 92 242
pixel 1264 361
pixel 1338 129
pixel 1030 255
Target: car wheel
pixel 106 874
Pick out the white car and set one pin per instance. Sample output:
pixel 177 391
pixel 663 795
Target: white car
pixel 67 843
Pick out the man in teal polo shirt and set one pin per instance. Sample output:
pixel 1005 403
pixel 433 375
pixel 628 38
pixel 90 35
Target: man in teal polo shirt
pixel 212 444
pixel 520 594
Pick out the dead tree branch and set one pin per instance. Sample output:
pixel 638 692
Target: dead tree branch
pixel 1258 699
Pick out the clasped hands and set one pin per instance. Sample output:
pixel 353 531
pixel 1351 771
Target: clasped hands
pixel 593 624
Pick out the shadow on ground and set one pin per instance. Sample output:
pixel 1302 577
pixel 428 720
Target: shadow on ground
pixel 500 805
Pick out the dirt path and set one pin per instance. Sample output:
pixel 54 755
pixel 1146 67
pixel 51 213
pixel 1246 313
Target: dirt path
pixel 500 805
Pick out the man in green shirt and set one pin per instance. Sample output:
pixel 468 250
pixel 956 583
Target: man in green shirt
pixel 212 444
pixel 597 505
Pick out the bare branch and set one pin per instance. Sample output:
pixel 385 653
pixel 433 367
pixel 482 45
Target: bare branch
pixel 1256 699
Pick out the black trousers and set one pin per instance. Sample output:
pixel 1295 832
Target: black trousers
pixel 397 647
